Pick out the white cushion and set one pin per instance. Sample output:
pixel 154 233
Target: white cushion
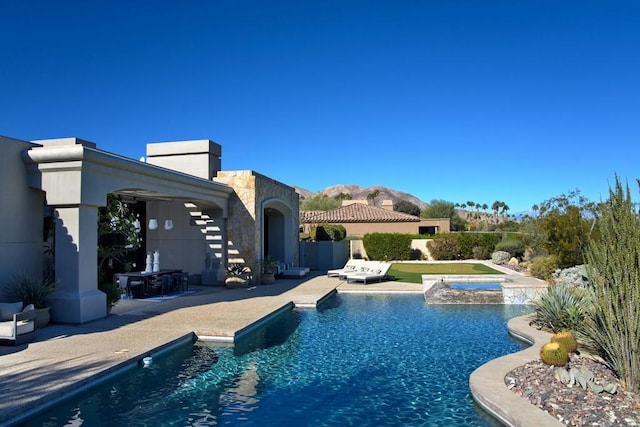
pixel 6 329
pixel 8 309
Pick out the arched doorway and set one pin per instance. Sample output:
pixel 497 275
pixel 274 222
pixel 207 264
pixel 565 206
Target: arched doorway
pixel 279 233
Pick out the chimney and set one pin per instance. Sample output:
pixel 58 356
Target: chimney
pixel 388 205
pixel 199 158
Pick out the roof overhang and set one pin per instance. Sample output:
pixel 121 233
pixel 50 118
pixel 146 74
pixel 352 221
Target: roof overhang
pixel 81 175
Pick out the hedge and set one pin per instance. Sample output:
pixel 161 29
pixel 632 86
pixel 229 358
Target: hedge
pixel 387 246
pixel 452 246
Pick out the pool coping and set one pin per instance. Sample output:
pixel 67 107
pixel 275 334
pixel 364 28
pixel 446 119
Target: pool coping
pixel 492 394
pixel 57 396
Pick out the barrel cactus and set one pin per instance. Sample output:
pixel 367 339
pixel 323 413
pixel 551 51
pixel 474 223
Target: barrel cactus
pixel 553 353
pixel 567 339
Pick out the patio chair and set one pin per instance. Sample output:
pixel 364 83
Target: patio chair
pixel 180 281
pixel 162 284
pixel 375 271
pixel 17 324
pixel 133 287
pixel 351 266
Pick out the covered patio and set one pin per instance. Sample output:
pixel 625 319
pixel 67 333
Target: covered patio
pixel 76 177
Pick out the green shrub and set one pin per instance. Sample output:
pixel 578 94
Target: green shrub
pixel 387 246
pixel 444 248
pixel 562 308
pixel 466 243
pixel 488 240
pixel 28 289
pixel 481 252
pixel 515 247
pixel 112 292
pixel 416 255
pixel 543 267
pixel 450 246
pixel 333 232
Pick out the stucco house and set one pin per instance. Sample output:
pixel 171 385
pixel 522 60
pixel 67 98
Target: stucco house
pixel 217 216
pixel 360 218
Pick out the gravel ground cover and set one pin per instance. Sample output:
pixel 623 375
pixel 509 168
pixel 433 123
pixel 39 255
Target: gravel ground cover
pixel 574 406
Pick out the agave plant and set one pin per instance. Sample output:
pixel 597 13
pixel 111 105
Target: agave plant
pixel 269 265
pixel 29 290
pixel 562 308
pixel 236 270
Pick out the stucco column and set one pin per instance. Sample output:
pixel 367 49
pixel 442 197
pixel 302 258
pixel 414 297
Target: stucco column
pixel 77 298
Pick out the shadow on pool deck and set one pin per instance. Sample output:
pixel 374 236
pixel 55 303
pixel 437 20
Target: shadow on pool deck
pixel 67 358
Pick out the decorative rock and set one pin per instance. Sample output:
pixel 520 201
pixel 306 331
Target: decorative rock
pixel 575 276
pixel 574 405
pixel 500 257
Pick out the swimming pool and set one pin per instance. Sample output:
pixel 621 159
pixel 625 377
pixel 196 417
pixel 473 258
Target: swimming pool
pixel 360 360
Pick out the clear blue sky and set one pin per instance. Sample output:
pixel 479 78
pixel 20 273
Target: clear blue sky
pixel 517 101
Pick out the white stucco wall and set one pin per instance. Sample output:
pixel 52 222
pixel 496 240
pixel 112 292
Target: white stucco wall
pixel 21 211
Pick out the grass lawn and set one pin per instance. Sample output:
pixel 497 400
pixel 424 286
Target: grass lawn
pixel 412 273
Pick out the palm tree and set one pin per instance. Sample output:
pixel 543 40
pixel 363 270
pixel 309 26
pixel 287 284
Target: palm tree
pixel 495 207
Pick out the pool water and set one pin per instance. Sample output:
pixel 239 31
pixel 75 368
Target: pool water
pixel 482 286
pixel 361 361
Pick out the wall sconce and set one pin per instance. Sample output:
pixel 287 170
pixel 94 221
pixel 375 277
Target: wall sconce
pixel 153 224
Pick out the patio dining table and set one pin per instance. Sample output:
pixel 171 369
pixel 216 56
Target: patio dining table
pixel 146 278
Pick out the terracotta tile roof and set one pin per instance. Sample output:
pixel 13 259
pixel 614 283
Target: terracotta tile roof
pixel 356 213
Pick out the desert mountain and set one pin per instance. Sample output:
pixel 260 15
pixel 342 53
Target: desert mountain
pixel 357 192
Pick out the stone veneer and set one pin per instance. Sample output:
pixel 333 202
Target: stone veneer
pixel 253 193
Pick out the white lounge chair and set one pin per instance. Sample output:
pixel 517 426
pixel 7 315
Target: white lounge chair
pixel 375 271
pixel 17 324
pixel 350 267
pixel 285 270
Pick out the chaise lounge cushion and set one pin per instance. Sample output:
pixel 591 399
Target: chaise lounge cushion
pixel 8 309
pixel 21 328
pixel 376 271
pixel 351 266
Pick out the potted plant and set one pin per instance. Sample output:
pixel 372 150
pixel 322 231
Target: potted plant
pixel 236 276
pixel 31 290
pixel 269 269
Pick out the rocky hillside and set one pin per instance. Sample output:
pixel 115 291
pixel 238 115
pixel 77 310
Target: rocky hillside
pixel 358 192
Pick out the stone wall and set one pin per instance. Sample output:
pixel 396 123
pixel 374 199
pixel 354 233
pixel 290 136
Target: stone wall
pixel 245 225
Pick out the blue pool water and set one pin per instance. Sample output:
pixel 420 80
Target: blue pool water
pixel 361 361
pixel 485 286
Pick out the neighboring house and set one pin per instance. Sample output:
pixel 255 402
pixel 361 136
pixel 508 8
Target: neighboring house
pixel 218 216
pixel 359 218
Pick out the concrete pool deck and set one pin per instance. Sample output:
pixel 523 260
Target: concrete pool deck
pixel 67 358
